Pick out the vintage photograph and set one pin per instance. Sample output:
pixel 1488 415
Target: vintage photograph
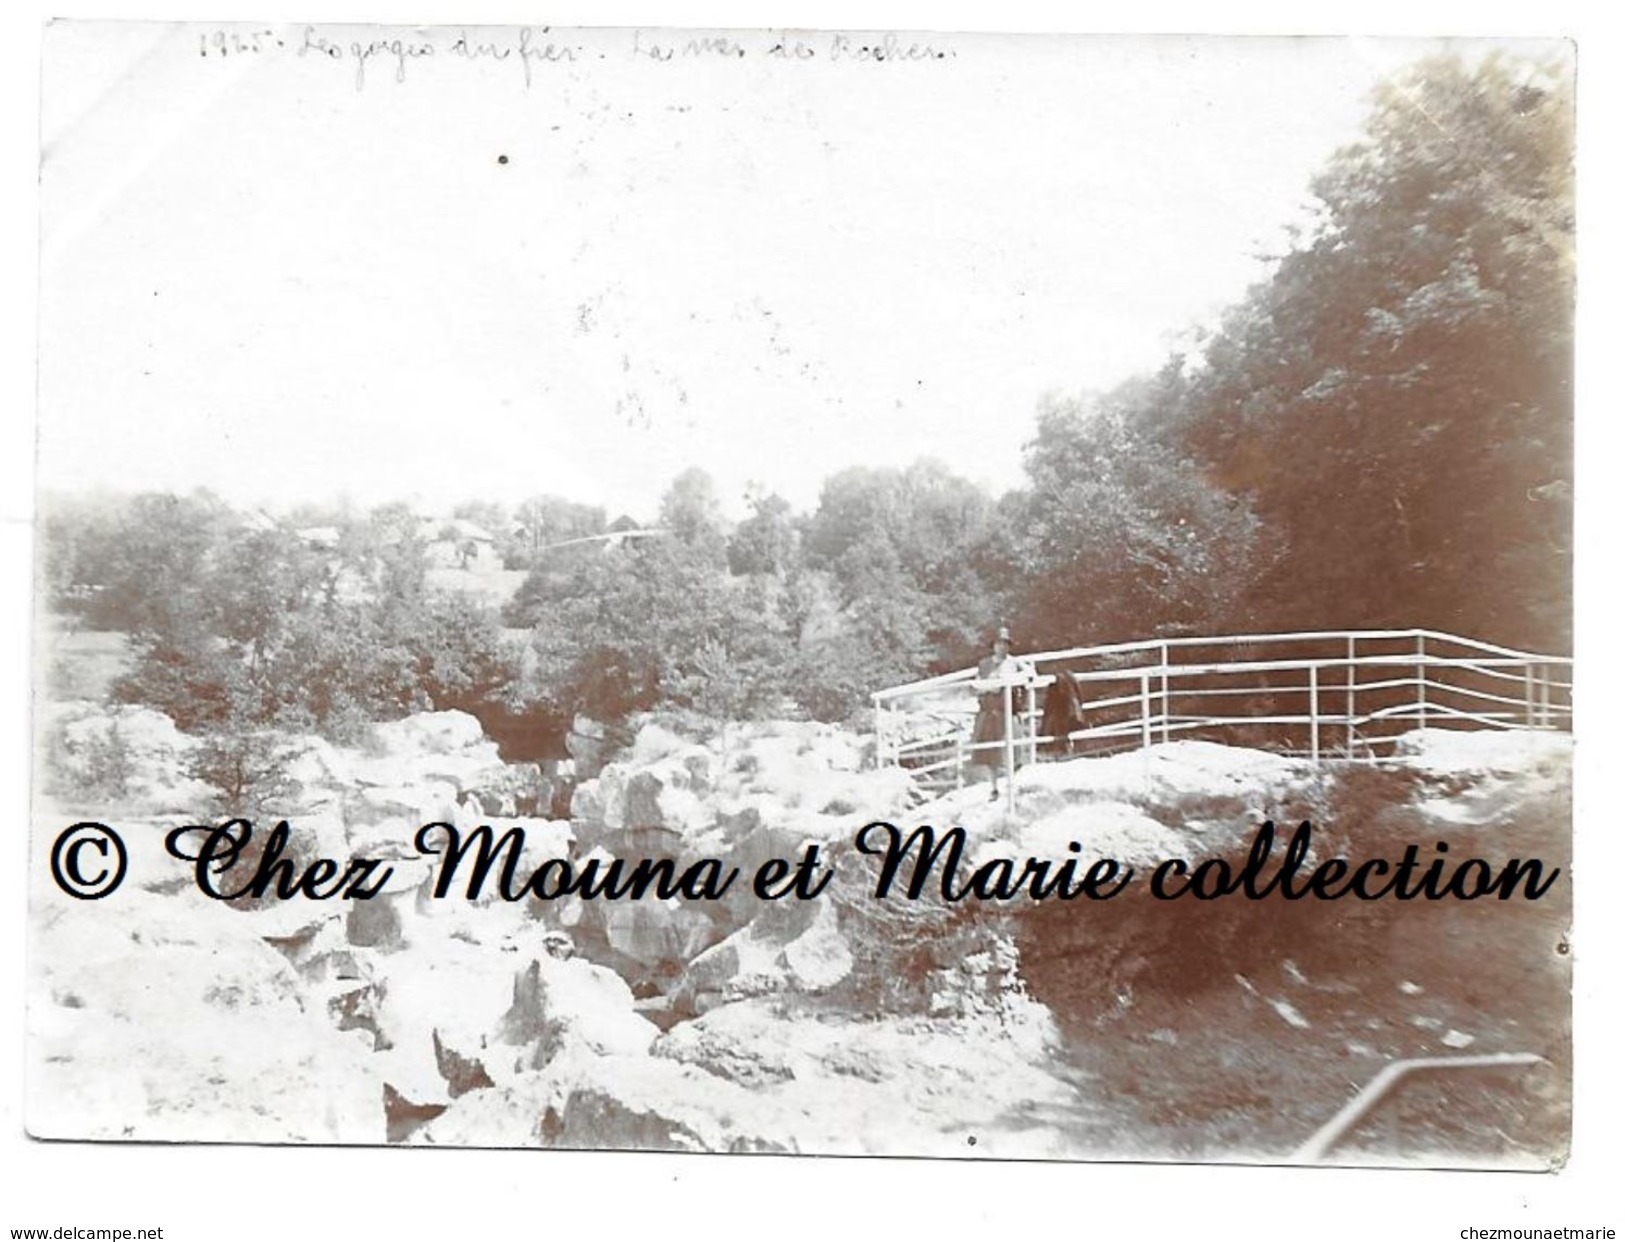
pixel 812 592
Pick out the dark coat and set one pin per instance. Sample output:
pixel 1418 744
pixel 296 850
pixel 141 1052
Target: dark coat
pixel 1063 713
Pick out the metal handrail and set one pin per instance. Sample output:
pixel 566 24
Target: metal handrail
pixel 1332 694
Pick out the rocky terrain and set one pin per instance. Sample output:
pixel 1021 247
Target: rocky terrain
pixel 837 1025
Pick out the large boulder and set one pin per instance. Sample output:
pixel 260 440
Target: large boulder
pixel 792 946
pixel 166 1021
pixel 819 958
pixel 806 780
pixel 651 932
pixel 762 1076
pixel 430 733
pixel 133 758
pixel 564 1003
pixel 648 1103
pixel 824 1082
pixel 419 756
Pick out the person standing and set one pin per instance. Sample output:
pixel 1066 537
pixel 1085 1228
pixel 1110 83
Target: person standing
pixel 1002 684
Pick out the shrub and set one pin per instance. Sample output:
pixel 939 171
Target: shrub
pixel 102 769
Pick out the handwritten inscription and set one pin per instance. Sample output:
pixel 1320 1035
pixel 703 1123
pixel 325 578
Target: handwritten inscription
pixel 237 42
pixel 381 53
pixel 528 49
pixel 888 49
pixel 710 47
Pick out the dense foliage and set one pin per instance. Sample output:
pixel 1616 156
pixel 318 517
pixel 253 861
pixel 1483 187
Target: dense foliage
pixel 1396 399
pixel 233 627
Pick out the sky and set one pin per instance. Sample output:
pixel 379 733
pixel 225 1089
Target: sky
pixel 297 274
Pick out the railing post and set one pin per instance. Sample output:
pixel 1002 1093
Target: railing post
pixel 1032 721
pixel 1421 682
pixel 1314 712
pixel 1009 749
pixel 1528 695
pixel 880 732
pixel 1348 706
pixel 1545 697
pixel 1145 710
pixel 1165 692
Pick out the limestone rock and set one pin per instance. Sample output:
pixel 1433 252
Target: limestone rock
pixel 185 1026
pixel 651 932
pixel 652 1103
pixel 462 1073
pixel 718 1049
pixel 820 957
pixel 560 1003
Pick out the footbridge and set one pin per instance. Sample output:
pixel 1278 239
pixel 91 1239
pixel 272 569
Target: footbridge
pixel 1331 695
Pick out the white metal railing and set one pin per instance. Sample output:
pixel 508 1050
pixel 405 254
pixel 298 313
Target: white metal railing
pixel 1342 694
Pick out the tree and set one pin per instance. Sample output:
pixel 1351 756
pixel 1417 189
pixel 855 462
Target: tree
pixel 1118 536
pixel 909 553
pixel 658 622
pixel 145 559
pixel 257 630
pixel 247 768
pixel 765 542
pixel 1396 396
pixel 691 512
